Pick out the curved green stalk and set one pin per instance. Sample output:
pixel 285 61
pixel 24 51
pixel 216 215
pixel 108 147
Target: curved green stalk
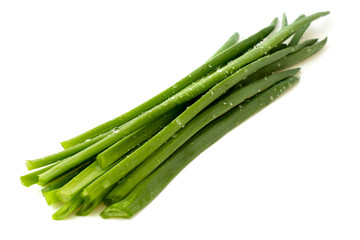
pixel 214 62
pixel 299 33
pixel 152 186
pixel 230 42
pixel 67 208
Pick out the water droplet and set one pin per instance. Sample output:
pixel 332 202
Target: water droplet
pixel 279 64
pixel 219 70
pixel 211 92
pixel 231 104
pixel 116 129
pixel 271 98
pixel 224 103
pixel 88 140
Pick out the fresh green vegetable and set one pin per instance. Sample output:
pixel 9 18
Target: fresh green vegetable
pixel 217 109
pixel 122 168
pixel 214 62
pixel 130 159
pixel 122 131
pixel 145 192
pixel 131 180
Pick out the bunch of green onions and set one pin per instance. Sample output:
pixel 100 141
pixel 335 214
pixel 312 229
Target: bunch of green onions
pixel 126 162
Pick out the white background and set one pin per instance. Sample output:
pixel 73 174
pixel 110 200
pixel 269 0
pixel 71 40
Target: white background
pixel 290 172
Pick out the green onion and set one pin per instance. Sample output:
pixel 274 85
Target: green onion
pixel 220 107
pixel 149 188
pixel 214 62
pixel 128 161
pixel 179 98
